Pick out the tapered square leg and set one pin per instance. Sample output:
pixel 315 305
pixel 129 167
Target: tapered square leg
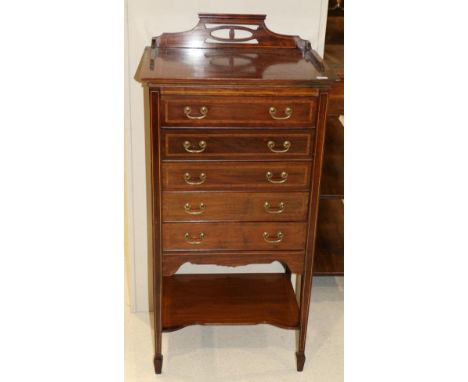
pixel 303 294
pixel 158 360
pixel 300 360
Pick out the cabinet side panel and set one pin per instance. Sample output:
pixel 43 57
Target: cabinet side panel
pixel 149 195
pixel 154 208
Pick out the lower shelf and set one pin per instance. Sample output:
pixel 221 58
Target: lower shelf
pixel 229 299
pixel 329 252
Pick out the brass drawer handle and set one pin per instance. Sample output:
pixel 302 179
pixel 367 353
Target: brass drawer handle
pixel 286 146
pixel 187 146
pixel 277 210
pixel 188 209
pixel 194 241
pixel 287 112
pixel 284 177
pixel 188 177
pixel 203 112
pixel 278 239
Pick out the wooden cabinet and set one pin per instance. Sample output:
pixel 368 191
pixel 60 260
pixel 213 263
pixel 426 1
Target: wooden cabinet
pixel 235 135
pixel 329 257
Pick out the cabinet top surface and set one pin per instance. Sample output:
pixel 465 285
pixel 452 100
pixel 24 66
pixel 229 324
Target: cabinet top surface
pixel 231 49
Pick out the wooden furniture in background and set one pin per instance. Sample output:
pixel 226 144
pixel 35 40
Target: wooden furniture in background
pixel 235 136
pixel 329 257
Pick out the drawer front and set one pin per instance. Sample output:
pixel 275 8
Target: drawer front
pixel 233 236
pixel 236 206
pixel 190 144
pixel 236 176
pixel 238 111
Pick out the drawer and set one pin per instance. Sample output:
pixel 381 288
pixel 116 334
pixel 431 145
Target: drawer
pixel 238 111
pixel 190 176
pixel 237 144
pixel 233 236
pixel 237 206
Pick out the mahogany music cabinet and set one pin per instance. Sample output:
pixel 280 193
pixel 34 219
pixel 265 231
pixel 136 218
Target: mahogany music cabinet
pixel 236 118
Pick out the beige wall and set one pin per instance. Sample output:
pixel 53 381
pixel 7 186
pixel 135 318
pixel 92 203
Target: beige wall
pixel 148 18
